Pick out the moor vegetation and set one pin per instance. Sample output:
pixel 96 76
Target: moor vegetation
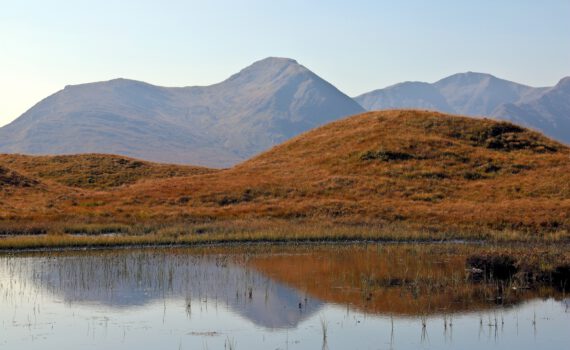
pixel 95 171
pixel 379 175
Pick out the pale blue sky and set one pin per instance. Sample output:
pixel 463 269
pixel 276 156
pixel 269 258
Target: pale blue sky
pixel 357 45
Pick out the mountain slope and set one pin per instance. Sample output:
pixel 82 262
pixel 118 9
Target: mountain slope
pixel 219 125
pixel 416 95
pixel 548 112
pixel 477 94
pixel 474 94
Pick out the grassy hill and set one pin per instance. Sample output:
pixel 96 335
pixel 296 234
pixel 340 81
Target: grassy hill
pixel 95 171
pixel 404 171
pixel 420 167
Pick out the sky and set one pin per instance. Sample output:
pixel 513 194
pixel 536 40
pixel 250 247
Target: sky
pixel 357 45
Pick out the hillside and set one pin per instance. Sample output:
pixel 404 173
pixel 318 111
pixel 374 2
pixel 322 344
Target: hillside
pixel 415 170
pixel 421 168
pixel 218 126
pixel 12 179
pixel 94 171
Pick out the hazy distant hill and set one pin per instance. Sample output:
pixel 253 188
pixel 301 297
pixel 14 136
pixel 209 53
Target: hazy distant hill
pixel 218 125
pixel 548 111
pixel 412 94
pixel 478 94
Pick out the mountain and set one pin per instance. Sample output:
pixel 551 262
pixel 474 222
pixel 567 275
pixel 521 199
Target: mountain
pixel 478 94
pixel 219 125
pixel 474 94
pixel 411 94
pixel 548 112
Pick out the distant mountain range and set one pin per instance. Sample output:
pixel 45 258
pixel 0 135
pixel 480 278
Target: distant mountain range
pixel 263 105
pixel 478 94
pixel 219 125
pixel 548 111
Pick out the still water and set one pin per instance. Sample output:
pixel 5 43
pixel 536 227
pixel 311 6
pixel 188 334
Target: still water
pixel 356 297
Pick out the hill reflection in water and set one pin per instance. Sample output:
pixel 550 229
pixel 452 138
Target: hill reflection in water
pixel 269 297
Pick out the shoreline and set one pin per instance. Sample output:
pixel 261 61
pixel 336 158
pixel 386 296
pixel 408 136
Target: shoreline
pixel 108 244
pixel 239 243
pixel 510 265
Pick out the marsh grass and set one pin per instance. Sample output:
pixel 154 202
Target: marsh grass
pixel 242 231
pixel 324 327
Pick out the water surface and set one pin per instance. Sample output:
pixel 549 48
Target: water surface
pixel 314 297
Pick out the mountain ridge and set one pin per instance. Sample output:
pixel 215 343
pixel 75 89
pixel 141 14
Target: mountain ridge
pixel 218 125
pixel 479 95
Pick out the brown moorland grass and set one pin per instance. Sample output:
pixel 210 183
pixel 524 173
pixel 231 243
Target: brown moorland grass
pixel 95 171
pixel 423 171
pixel 61 236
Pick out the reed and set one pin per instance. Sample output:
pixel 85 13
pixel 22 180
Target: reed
pixel 239 231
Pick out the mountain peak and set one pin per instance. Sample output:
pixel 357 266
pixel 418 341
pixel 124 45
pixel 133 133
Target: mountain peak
pixel 466 78
pixel 564 83
pixel 268 69
pixel 266 103
pixel 117 82
pixel 272 60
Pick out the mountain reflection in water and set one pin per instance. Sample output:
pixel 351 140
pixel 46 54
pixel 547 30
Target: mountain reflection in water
pixel 269 297
pixel 130 279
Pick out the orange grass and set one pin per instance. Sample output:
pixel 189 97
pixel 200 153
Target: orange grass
pixel 425 171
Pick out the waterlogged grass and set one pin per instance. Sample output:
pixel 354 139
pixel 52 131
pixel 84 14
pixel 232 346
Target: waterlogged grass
pixel 120 235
